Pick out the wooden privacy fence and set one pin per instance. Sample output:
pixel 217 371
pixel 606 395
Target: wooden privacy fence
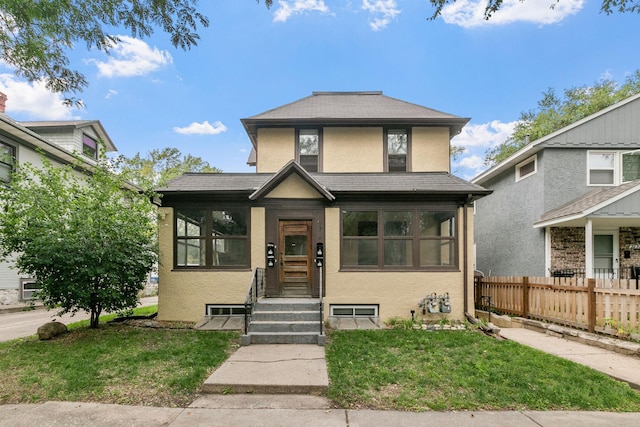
pixel 576 302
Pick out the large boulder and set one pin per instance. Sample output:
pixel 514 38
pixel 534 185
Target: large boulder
pixel 51 329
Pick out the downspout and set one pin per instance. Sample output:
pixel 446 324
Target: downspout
pixel 465 252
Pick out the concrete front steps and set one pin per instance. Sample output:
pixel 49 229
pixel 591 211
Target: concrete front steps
pixel 285 321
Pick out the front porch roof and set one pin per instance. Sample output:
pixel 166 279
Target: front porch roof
pixel 592 205
pixel 329 184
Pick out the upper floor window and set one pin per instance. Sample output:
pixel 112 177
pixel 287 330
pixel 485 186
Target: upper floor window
pixel 308 149
pixel 212 238
pixel 630 166
pixel 613 167
pixel 396 150
pixel 89 147
pixel 526 168
pixel 7 159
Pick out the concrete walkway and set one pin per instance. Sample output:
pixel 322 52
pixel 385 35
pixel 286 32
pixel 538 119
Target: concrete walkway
pixel 619 366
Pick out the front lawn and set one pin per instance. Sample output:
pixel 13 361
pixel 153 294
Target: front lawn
pixel 115 363
pixel 462 370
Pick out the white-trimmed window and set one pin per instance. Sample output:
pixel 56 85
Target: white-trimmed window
pixel 89 147
pixel 7 159
pixel 339 310
pixel 527 168
pixel 612 167
pixel 28 288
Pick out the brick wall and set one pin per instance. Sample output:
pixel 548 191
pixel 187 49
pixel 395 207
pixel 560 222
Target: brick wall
pixel 629 236
pixel 567 248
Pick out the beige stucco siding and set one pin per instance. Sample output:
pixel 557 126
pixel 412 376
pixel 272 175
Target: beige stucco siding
pixel 294 187
pixel 396 293
pixel 430 149
pixel 352 150
pixel 277 148
pixel 183 295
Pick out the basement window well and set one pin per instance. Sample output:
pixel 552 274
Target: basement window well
pixel 354 310
pixel 225 310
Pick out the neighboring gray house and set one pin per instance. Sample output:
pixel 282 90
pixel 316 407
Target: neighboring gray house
pixel 567 203
pixel 60 142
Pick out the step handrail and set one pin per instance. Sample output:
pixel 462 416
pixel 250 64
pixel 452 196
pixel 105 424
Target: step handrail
pixel 255 291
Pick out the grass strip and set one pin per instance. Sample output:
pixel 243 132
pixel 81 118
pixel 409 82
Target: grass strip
pixel 462 370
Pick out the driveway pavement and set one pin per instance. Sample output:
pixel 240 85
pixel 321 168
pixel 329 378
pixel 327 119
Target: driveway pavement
pixel 26 323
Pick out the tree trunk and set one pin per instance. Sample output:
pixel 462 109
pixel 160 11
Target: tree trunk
pixel 95 317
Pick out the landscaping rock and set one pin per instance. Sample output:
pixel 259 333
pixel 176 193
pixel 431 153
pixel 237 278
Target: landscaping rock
pixel 50 330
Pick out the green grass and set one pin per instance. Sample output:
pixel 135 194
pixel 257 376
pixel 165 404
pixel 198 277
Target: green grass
pixel 461 370
pixel 115 363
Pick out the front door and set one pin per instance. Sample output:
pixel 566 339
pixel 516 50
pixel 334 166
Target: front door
pixel 294 268
pixel 605 254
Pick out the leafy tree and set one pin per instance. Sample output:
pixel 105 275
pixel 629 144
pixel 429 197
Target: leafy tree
pixel 555 112
pixel 608 6
pixel 86 239
pixel 159 166
pixel 36 36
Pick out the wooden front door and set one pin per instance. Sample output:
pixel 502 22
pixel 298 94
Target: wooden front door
pixel 294 269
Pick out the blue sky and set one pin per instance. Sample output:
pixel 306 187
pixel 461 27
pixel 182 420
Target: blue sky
pixel 149 95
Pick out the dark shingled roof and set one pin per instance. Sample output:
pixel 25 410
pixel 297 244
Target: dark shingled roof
pixel 352 108
pixel 426 182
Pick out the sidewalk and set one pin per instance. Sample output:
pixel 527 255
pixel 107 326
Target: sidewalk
pixel 260 410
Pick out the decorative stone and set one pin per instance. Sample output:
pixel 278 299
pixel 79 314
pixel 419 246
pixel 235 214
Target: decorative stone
pixel 50 330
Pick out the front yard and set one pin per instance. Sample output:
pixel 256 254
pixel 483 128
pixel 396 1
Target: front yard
pixel 388 369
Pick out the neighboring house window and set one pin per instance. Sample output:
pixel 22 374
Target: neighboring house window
pixel 210 238
pixel 7 159
pixel 396 149
pixel 630 166
pixel 602 168
pixel 89 147
pixel 308 149
pixel 613 167
pixel 526 168
pixel 392 239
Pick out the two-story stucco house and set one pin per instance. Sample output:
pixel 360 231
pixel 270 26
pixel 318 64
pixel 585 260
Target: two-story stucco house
pixel 567 203
pixel 62 142
pixel 362 176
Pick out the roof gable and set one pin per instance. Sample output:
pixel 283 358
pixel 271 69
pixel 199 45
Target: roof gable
pixel 585 133
pixel 290 169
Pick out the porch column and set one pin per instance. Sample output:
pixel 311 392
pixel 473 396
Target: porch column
pixel 547 251
pixel 588 249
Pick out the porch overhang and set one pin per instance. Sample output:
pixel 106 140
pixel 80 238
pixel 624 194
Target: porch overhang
pixel 610 205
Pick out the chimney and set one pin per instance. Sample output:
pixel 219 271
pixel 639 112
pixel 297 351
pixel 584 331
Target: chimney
pixel 3 102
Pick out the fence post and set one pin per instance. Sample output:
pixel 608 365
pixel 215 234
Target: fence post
pixel 525 297
pixel 591 296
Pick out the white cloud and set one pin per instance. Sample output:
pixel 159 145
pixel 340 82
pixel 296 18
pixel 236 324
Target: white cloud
pixel 470 13
pixel 476 139
pixel 132 57
pixel 204 128
pixel 381 11
pixel 287 9
pixel 34 100
pixel 110 94
pixel 484 135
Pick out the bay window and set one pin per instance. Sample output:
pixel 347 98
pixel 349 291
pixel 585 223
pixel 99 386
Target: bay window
pixel 398 239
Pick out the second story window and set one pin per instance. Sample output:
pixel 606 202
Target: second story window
pixel 601 168
pixel 7 159
pixel 89 147
pixel 396 150
pixel 308 149
pixel 630 166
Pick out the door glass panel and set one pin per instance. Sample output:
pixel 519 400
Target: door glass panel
pixel 295 245
pixel 603 251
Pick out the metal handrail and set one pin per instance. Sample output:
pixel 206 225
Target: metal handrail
pixel 255 291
